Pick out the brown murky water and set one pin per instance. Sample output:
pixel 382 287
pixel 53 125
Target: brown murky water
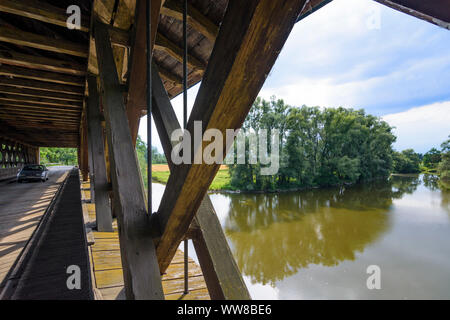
pixel 317 244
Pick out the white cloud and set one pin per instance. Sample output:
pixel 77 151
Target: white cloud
pixel 421 128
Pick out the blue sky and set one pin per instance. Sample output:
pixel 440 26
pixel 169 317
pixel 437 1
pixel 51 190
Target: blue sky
pixel 361 54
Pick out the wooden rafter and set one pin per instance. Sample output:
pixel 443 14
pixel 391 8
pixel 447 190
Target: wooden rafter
pixel 41 85
pixel 41 63
pixel 436 12
pixel 256 31
pixel 33 40
pixel 41 11
pixel 25 73
pixel 166 45
pixel 174 9
pixel 40 94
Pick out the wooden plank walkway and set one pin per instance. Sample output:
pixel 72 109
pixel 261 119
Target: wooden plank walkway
pixel 60 242
pixel 107 267
pixel 21 209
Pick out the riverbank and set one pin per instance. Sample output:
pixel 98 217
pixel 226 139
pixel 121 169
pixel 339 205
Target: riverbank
pixel 222 182
pixel 160 174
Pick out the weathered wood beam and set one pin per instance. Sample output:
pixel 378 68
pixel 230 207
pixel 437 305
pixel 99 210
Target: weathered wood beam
pixel 40 94
pixel 250 38
pixel 19 117
pixel 221 272
pixel 41 110
pixel 137 80
pixel 41 11
pixel 436 12
pixel 83 147
pixel 164 44
pixel 174 9
pixel 44 12
pixel 37 114
pixel 169 76
pixel 41 63
pixel 141 272
pixel 20 72
pixel 41 85
pixel 33 40
pixel 95 136
pixel 19 100
pixel 41 124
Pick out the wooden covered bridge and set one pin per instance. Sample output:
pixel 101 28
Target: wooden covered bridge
pixel 81 77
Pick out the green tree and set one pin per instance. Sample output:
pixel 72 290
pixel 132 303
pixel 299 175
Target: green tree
pixel 432 158
pixel 444 165
pixel 65 156
pixel 406 161
pixel 318 147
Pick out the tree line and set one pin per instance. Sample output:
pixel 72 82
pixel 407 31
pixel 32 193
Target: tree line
pixel 325 147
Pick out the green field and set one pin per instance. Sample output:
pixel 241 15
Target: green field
pixel 220 182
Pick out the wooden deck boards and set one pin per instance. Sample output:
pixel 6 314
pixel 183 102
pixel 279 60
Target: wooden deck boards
pixel 107 267
pixel 60 243
pixel 21 209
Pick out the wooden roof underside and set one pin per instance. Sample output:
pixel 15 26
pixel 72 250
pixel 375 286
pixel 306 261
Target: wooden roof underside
pixel 43 64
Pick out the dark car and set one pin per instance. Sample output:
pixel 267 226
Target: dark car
pixel 33 172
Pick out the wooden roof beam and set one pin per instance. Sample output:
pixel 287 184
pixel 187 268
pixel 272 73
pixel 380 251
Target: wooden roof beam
pixel 33 40
pixel 164 44
pixel 436 12
pixel 56 111
pixel 19 115
pixel 41 11
pixel 40 85
pixel 24 101
pixel 174 9
pixel 38 124
pixel 34 113
pixel 40 94
pixel 41 63
pixel 44 12
pixel 20 72
pixel 169 76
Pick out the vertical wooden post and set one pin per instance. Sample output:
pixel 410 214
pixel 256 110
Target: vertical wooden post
pixel 141 271
pixel 37 155
pixel 102 206
pixel 84 158
pixel 91 167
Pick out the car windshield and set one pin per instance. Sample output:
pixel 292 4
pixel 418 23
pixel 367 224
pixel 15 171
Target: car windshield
pixel 34 168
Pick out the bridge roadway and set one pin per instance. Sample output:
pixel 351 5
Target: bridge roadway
pixel 21 208
pixel 41 237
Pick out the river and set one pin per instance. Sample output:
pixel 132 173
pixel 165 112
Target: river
pixel 318 244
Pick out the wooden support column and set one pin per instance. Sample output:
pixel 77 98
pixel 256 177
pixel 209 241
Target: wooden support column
pixel 141 272
pixel 37 155
pixel 102 206
pixel 251 36
pixel 222 275
pixel 84 158
pixel 137 92
pixel 91 169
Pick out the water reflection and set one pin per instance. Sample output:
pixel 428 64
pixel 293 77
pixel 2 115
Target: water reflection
pixel 273 236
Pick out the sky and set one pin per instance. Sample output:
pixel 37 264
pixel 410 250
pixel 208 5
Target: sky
pixel 361 54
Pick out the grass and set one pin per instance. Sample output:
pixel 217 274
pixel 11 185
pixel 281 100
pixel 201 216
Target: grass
pixel 220 182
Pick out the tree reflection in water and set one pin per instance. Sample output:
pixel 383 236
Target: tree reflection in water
pixel 274 235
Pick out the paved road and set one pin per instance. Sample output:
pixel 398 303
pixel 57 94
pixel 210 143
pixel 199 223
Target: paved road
pixel 21 208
